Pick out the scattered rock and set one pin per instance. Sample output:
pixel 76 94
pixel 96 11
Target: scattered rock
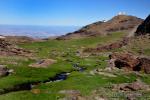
pixel 43 63
pixel 7 48
pixel 133 96
pixel 71 95
pixel 135 86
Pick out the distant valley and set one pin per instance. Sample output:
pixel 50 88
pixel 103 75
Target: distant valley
pixel 35 31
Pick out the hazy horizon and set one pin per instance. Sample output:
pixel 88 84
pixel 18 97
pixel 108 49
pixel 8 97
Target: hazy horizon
pixel 36 31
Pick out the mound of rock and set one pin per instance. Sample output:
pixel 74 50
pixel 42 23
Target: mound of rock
pixel 43 63
pixel 129 62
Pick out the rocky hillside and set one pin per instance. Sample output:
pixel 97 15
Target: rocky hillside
pixel 8 48
pixel 123 23
pixel 144 28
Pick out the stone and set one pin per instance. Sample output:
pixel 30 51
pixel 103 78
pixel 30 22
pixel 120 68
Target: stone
pixel 124 60
pixel 133 96
pixel 3 71
pixel 134 86
pixel 145 64
pixel 44 63
pixel 36 91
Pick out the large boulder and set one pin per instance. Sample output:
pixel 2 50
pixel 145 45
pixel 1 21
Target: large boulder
pixel 124 60
pixel 129 62
pixel 144 28
pixel 3 71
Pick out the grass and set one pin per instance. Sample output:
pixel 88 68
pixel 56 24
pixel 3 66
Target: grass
pixel 64 51
pixel 139 46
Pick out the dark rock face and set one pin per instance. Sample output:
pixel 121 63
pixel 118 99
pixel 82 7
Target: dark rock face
pixel 144 28
pixel 130 62
pixel 3 71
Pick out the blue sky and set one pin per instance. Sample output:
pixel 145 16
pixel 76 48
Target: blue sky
pixel 68 12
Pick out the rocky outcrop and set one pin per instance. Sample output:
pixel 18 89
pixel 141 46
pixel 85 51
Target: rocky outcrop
pixel 123 23
pixel 129 62
pixel 108 47
pixel 7 48
pixel 144 28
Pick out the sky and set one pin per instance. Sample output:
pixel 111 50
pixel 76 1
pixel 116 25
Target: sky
pixel 68 12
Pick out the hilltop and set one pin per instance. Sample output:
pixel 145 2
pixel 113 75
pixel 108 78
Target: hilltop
pixel 119 23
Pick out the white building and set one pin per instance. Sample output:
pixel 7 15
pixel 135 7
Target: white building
pixel 2 37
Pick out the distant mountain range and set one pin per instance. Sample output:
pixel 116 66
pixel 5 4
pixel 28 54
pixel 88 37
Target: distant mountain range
pixel 35 31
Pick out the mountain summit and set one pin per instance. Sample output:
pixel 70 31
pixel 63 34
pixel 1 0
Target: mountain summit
pixel 123 23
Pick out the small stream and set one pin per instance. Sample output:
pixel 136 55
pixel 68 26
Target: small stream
pixel 28 86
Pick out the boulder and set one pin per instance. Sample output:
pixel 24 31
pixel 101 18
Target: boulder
pixel 3 71
pixel 124 60
pixel 129 62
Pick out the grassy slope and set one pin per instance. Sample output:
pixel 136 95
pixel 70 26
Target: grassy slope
pixel 60 50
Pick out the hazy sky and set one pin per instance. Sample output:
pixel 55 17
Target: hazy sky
pixel 67 12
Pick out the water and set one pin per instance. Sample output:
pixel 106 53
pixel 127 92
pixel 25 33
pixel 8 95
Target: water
pixel 36 31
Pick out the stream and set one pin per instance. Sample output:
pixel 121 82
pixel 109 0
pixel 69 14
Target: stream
pixel 28 86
